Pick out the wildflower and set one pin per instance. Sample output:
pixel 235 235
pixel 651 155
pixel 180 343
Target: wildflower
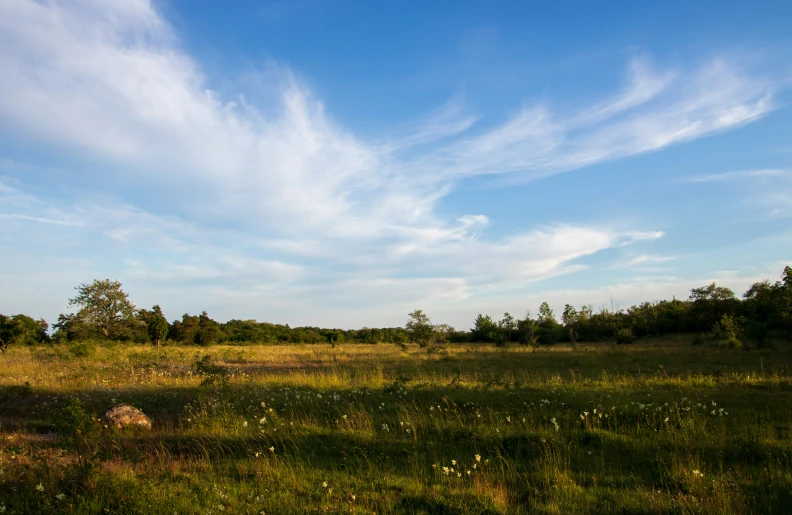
pixel 244 424
pixel 508 419
pixel 344 417
pixel 666 419
pixel 263 420
pixel 478 456
pixel 453 462
pixel 263 404
pixel 459 474
pixel 272 449
pixel 324 484
pixel 353 496
pixel 445 470
pixel 40 487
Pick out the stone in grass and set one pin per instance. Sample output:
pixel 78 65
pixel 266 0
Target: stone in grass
pixel 124 415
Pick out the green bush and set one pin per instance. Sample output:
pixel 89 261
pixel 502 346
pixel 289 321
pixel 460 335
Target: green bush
pixel 625 335
pixel 731 343
pixel 82 349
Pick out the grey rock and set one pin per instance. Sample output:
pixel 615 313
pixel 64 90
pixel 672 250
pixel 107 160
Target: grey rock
pixel 124 415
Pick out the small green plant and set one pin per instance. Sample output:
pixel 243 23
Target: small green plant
pixel 80 433
pixel 211 374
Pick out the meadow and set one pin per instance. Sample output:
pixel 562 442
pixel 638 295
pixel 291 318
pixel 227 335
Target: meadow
pixel 661 427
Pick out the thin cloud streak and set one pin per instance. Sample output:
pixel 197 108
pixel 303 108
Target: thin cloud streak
pixel 729 176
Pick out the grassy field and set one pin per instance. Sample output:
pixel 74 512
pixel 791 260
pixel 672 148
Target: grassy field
pixel 647 428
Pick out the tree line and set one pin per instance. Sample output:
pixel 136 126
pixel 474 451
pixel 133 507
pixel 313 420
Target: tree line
pixel 105 312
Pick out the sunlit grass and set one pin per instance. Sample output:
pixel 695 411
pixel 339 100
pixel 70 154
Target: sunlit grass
pixel 666 427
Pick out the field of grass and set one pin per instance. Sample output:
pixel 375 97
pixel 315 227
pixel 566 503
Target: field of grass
pixel 647 428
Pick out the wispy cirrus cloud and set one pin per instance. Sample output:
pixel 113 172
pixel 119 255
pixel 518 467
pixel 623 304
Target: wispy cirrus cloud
pixel 767 190
pixel 282 192
pixel 743 174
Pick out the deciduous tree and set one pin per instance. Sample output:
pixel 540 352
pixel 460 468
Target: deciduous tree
pixel 105 306
pixel 420 328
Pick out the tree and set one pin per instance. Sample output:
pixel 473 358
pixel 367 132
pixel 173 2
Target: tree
pixel 21 329
pixel 105 306
pixel 156 324
pixel 157 329
pixel 569 319
pixel 207 332
pixel 548 325
pixel 785 301
pixel 443 333
pixel 526 329
pixel 9 332
pixel 645 317
pixel 420 328
pixel 546 317
pixel 710 303
pixel 484 329
pixel 506 328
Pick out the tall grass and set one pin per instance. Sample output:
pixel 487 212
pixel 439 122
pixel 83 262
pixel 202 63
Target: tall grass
pixel 662 428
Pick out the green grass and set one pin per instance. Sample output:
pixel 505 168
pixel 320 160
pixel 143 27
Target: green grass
pixel 645 428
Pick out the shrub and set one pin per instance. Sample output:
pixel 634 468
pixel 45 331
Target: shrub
pixel 731 343
pixel 81 434
pixel 625 335
pixel 82 349
pixel 212 375
pixel 726 328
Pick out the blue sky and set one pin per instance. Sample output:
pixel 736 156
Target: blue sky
pixel 343 163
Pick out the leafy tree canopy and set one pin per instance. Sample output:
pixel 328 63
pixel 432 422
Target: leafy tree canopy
pixel 104 306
